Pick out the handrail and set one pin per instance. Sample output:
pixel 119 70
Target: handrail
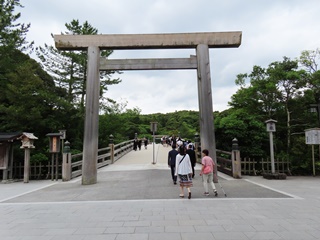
pixel 224 163
pixel 103 158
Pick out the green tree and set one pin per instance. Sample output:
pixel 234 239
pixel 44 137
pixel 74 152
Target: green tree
pixel 249 129
pixel 69 68
pixel 261 96
pixel 12 38
pixel 289 81
pixel 309 61
pixel 32 102
pixel 12 34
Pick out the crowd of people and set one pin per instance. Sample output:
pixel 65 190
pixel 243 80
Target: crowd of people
pixel 182 163
pixel 137 143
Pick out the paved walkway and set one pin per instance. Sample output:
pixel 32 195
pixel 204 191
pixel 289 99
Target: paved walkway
pixel 135 199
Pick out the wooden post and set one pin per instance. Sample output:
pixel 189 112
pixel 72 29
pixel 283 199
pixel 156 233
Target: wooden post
pixel 205 102
pixel 52 166
pixel 66 166
pixel 236 164
pixel 26 165
pixel 6 163
pixel 57 166
pixel 90 142
pixel 236 161
pixel 111 145
pixel 11 162
pixel 313 162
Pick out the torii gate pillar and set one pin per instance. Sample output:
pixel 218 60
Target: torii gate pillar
pixel 94 43
pixel 205 102
pixel 91 125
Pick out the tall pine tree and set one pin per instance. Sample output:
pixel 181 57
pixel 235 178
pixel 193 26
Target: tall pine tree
pixel 69 68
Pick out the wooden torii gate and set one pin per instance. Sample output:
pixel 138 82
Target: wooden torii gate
pixel 201 42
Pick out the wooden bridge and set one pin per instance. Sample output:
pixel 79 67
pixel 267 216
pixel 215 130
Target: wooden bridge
pixel 122 156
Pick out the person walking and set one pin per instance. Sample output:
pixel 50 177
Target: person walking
pixel 135 144
pixel 193 159
pixel 145 140
pixel 172 162
pixel 207 172
pixel 184 171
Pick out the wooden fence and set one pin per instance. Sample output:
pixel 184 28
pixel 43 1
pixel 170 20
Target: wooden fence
pixel 250 166
pixel 224 162
pixel 43 170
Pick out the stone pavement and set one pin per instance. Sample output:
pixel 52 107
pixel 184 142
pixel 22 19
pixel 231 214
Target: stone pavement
pixel 135 199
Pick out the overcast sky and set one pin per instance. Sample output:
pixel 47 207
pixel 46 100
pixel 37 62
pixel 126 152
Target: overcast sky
pixel 270 29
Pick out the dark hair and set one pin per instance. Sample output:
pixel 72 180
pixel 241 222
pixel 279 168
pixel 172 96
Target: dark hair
pixel 182 150
pixel 174 146
pixel 205 152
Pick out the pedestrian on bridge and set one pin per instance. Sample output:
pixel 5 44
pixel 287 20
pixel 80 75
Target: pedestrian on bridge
pixel 172 162
pixel 184 171
pixel 193 158
pixel 145 141
pixel 207 172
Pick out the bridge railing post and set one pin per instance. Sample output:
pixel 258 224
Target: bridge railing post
pixel 111 145
pixel 66 162
pixel 236 161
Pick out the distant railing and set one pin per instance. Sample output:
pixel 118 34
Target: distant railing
pixel 38 171
pixel 224 162
pixel 280 165
pixel 43 170
pixel 249 166
pixel 104 157
pixel 252 166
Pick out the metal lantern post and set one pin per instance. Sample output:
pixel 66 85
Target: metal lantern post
pixel 271 127
pixel 153 127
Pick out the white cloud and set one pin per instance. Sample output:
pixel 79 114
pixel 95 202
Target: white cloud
pixel 271 30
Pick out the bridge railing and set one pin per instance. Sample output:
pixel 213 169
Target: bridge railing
pixel 105 157
pixel 224 162
pixel 249 166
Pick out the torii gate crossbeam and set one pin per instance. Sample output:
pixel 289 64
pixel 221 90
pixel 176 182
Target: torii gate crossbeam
pixel 94 43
